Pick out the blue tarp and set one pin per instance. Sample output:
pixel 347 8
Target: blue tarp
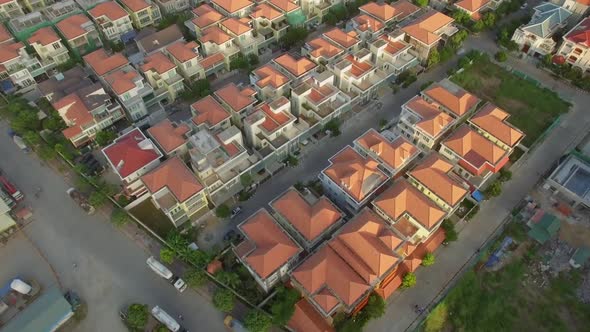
pixel 495 257
pixel 5 290
pixel 7 86
pixel 477 196
pixel 129 36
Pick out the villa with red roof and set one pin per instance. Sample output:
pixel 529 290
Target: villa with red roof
pixel 130 157
pixel 162 74
pixel 358 76
pixel 473 8
pixel 233 8
pixel 296 69
pixel 269 82
pixel 347 41
pixel 21 67
pixel 216 41
pixel 143 12
pixel 269 21
pixel 270 125
pixel 575 48
pixel 170 137
pixel 112 20
pixel 388 14
pixel 102 63
pixel 317 98
pixel 243 35
pixel 204 16
pixel 186 56
pixel 392 53
pixel 209 114
pixel 267 251
pixel 171 7
pixel 320 50
pixel 49 47
pixel 10 9
pixel 452 99
pixel 425 33
pixel 5 36
pixel 174 189
pixel 238 100
pixel 492 123
pixel 80 33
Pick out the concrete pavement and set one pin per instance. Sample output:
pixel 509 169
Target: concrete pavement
pixel 111 271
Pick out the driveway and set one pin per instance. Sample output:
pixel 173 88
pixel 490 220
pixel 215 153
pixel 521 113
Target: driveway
pixel 111 271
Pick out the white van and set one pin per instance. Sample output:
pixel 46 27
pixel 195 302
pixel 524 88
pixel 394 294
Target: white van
pixel 164 318
pixel 165 273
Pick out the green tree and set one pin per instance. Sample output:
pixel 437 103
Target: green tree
pixel 224 300
pixel 137 316
pixel 409 280
pixel 333 126
pixel 375 308
pixel 257 321
pixel 229 278
pixel 461 17
pixel 222 211
pixel 253 60
pixel 195 278
pixel 433 57
pixel 294 36
pixel 283 306
pixel 97 199
pixel 54 122
pixel 330 19
pixel 246 180
pixel 32 138
pixel 167 255
pixel 494 190
pixel 450 232
pixel 428 259
pixel 489 19
pixel 421 3
pixel 180 244
pixel 478 26
pixel 161 328
pixel 239 62
pixel 26 120
pixel 292 160
pixel 105 137
pixel 501 56
pixel 505 175
pixel 382 123
pixel 119 217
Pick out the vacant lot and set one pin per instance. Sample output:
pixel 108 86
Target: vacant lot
pixel 532 108
pixel 153 218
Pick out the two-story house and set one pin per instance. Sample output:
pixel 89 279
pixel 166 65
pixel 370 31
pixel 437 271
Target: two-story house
pixel 204 17
pixel 186 57
pixel 492 122
pixel 575 48
pixel 321 51
pixel 64 83
pixel 150 41
pixel 80 33
pixel 209 114
pixel 112 20
pixel 270 23
pixel 536 37
pixel 307 218
pixel 130 157
pixel 392 54
pixel 270 83
pixel 216 41
pixel 5 36
pixel 423 122
pixel 238 100
pixel 161 73
pixel 233 8
pixel 143 12
pixel 267 251
pixel 473 8
pixel 10 9
pixel 451 98
pixel 366 26
pixel 102 64
pixel 243 34
pixel 49 47
pixel 170 137
pixel 352 180
pixel 169 7
pixel 358 76
pixel 389 14
pixel 315 10
pixel 426 32
pixel 18 68
pixel 174 189
pixel 578 7
pixel 317 99
pixel 347 41
pixel 36 5
pixel 297 70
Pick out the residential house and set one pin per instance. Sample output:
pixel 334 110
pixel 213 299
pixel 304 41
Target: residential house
pixel 435 178
pixel 10 9
pixel 536 37
pixel 473 8
pixel 64 83
pixel 426 32
pixel 150 41
pixel 317 99
pixel 36 5
pixel 204 17
pixel 130 157
pixel 392 54
pixel 143 12
pixel 7 225
pixel 315 10
pixel 174 189
pixel 102 64
pixel 216 41
pixel 394 154
pixel 308 219
pixel 358 76
pixel 80 33
pixel 112 20
pixel 347 41
pixel 568 182
pixel 186 57
pixel 243 34
pixel 169 7
pixel 306 318
pixel 233 8
pixel 49 47
pixel 296 70
pixel 321 51
pixel 270 83
pixel 209 114
pixel 366 26
pixel 161 73
pixel 5 36
pixel 238 100
pixel 492 123
pixel 270 23
pixel 57 11
pixel 578 7
pixel 575 48
pixel 171 138
pixel 410 212
pixel 18 68
pixel 267 251
pixel 352 180
pixel 389 14
pixel 423 122
pixel 451 98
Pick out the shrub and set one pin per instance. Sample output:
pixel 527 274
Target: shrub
pixel 409 280
pixel 119 217
pixel 433 57
pixel 105 137
pixel 472 213
pixel 333 126
pixel 229 278
pixel 167 255
pixel 97 199
pixel 195 278
pixel 428 259
pixel 137 316
pixel 450 232
pixel 224 299
pixel 421 3
pixel 257 321
pixel 246 180
pixel 436 319
pixel 501 56
pixel 283 306
pixel 222 211
pixel 382 123
pixel 505 175
pixel 494 190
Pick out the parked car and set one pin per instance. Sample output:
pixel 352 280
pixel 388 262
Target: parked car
pixel 235 211
pixel 161 270
pixel 232 236
pixel 233 324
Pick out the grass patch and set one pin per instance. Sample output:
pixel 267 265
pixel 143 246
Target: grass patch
pixel 153 218
pixel 532 108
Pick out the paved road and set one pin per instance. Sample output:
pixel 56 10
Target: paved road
pixel 111 270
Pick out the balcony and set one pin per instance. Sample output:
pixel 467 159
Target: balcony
pixel 280 25
pixel 404 61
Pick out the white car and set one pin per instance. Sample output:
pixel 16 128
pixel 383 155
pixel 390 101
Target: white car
pixel 524 5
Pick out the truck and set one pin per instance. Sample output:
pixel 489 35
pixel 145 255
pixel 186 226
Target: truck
pixel 81 200
pixel 165 273
pixel 10 189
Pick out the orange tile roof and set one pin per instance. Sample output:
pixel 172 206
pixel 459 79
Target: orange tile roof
pixel 235 26
pixel 359 68
pixel 433 174
pixel 404 8
pixel 212 60
pixel 402 198
pixel 384 12
pixel 321 47
pixel 270 247
pixel 366 22
pixel 395 154
pixel 135 5
pixel 127 156
pixel 183 51
pixel 209 111
pixel 74 112
pixel 10 51
pixel 493 120
pixel 168 136
pixel 216 35
pixel 342 38
pixel 306 319
pixel 71 27
pixel 310 220
pixel 296 67
pixel 286 6
pixel 473 147
pixel 424 29
pixel 103 63
pixel 358 176
pixel 44 36
pixel 174 175
pixel 266 11
pixel 405 227
pixel 274 120
pixel 232 6
pixel 157 62
pixel 393 47
pixel 110 9
pixel 268 75
pixel 206 16
pixel 459 102
pixel 237 98
pixel 433 121
pixel 122 81
pixel 472 5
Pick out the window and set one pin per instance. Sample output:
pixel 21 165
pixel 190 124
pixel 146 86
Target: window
pixel 56 45
pixel 189 64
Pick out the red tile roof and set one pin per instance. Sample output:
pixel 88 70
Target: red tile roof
pixel 214 35
pixel 343 39
pixel 110 9
pixel 424 29
pixel 366 22
pixel 9 51
pixel 286 6
pixel 206 16
pixel 321 47
pixel 212 60
pixel 384 11
pixel 232 6
pixel 493 120
pixel 358 68
pixel 394 154
pixel 157 62
pixel 474 148
pixel 168 136
pixel 122 81
pixel 235 26
pixel 275 119
pixel 174 175
pixel 135 5
pixel 44 36
pixel 208 111
pixel 458 102
pixel 103 63
pixel 237 98
pixel 183 51
pixel 580 34
pixel 307 319
pixel 267 11
pixel 432 120
pixel 298 67
pixel 268 75
pixel 71 27
pixel 472 5
pixel 75 114
pixel 131 152
pixel 4 34
pixel 433 173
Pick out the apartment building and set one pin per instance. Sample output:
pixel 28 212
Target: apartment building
pixel 112 20
pixel 358 76
pixel 143 12
pixel 149 41
pixel 216 41
pixel 394 154
pixel 19 67
pixel 173 6
pixel 427 32
pixel 536 37
pixel 10 9
pixel 49 48
pixel 210 115
pixel 130 157
pixel 321 51
pixel 270 83
pixel 175 190
pixel 243 34
pixel 269 22
pixel 86 112
pixel 233 8
pixel 295 69
pixel 5 36
pixel 392 54
pixel 270 127
pixel 347 41
pixel 161 73
pixel 423 122
pixel 102 64
pixel 204 17
pixel 492 123
pixel 308 219
pixel 238 100
pixel 351 180
pixel 317 99
pixel 171 138
pixel 186 57
pixel 133 93
pixel 435 178
pixel 80 33
pixel 388 14
pixel 451 98
pixel 268 252
pixel 575 48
